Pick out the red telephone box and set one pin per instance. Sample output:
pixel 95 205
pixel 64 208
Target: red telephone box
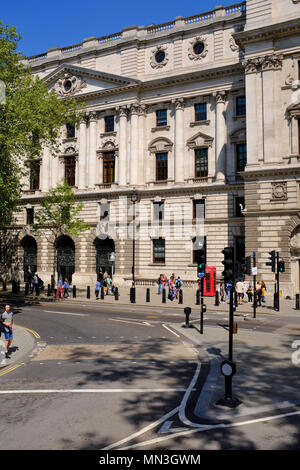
pixel 210 281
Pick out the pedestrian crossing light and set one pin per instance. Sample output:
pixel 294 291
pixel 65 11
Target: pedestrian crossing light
pixel 272 262
pixel 246 265
pixel 201 260
pixel 228 262
pixel 281 267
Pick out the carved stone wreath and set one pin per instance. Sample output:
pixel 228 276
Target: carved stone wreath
pixel 69 84
pixel 191 50
pixel 296 1
pixel 154 53
pixel 279 191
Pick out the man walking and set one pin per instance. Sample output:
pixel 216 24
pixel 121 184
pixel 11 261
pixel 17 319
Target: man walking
pixel 8 322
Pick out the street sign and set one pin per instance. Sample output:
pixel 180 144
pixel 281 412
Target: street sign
pixel 254 271
pixel 229 285
pixel 201 274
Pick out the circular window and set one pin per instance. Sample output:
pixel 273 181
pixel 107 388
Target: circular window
pixel 198 48
pixel 67 85
pixel 160 56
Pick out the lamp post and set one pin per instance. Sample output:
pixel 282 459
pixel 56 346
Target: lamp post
pixel 134 198
pixel 112 258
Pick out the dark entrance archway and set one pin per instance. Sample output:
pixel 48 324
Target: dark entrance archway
pixel 104 248
pixel 65 258
pixel 29 246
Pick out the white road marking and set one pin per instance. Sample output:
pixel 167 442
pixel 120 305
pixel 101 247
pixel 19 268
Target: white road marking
pixel 203 428
pixel 67 313
pixel 93 390
pixel 178 336
pixel 132 322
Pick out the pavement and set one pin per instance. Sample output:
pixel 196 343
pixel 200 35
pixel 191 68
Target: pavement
pixel 189 300
pixel 23 344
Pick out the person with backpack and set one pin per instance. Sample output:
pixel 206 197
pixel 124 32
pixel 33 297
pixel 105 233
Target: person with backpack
pixel 178 285
pixel 66 288
pixel 8 323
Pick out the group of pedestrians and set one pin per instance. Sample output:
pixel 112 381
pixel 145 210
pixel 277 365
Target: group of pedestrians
pixel 174 284
pixel 35 283
pixel 242 289
pixel 104 280
pixel 62 290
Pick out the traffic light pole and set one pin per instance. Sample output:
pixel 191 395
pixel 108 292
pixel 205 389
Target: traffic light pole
pixel 254 286
pixel 277 282
pixel 201 306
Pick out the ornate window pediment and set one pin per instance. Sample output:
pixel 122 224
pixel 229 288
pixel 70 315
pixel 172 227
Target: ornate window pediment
pixel 160 144
pixel 238 136
pixel 200 140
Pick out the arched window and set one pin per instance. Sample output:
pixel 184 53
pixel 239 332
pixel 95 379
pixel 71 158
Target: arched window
pixel 65 258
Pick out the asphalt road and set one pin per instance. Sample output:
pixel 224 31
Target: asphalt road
pixel 121 377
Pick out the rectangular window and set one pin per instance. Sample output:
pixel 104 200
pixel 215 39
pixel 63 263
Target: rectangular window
pixel 30 216
pixel 70 168
pixel 239 249
pixel 239 206
pixel 161 117
pixel 161 166
pixel 201 162
pixel 35 176
pixel 241 157
pixel 70 131
pixel 201 112
pixel 241 106
pixel 109 168
pixel 199 209
pixel 158 210
pixel 104 212
pixel 109 123
pixel 159 250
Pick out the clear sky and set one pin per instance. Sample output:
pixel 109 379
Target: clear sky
pixel 44 24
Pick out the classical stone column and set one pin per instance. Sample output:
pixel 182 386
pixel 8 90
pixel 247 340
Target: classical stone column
pixel 253 114
pixel 134 144
pixel 92 158
pixel 220 137
pixel 82 153
pixel 179 143
pixel 122 145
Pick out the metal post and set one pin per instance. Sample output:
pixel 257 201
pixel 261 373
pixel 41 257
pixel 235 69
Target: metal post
pixel 88 292
pixel 198 297
pixel 102 292
pixel 217 301
pixel 277 279
pixel 74 291
pixel 48 290
pixel 163 296
pixel 132 295
pixel 117 294
pixel 148 294
pixel 201 306
pixel 180 297
pixel 254 286
pixel 297 302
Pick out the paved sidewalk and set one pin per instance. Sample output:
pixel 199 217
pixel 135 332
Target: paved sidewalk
pixel 189 300
pixel 23 344
pixel 266 377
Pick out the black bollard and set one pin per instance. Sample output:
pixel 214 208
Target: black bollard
pixel 180 301
pixel 102 292
pixel 4 286
pixel 18 287
pixel 198 297
pixel 74 292
pixel 187 312
pixel 132 295
pixel 88 292
pixel 49 291
pixel 217 301
pixel 148 294
pixel 26 288
pixel 116 294
pixel 163 297
pixel 297 302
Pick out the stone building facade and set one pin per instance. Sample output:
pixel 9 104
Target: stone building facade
pixel 200 117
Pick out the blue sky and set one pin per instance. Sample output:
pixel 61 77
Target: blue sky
pixel 44 24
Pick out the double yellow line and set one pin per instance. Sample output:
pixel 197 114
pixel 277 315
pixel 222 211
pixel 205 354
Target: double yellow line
pixel 35 334
pixel 10 369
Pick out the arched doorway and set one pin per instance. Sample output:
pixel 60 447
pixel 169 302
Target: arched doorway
pixel 29 246
pixel 104 262
pixel 65 258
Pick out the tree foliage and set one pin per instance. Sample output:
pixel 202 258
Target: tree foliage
pixel 30 118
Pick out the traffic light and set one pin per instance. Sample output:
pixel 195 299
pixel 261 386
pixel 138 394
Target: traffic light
pixel 281 267
pixel 228 262
pixel 201 260
pixel 272 261
pixel 246 265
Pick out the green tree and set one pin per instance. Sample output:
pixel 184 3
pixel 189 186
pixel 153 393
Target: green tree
pixel 57 216
pixel 31 117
